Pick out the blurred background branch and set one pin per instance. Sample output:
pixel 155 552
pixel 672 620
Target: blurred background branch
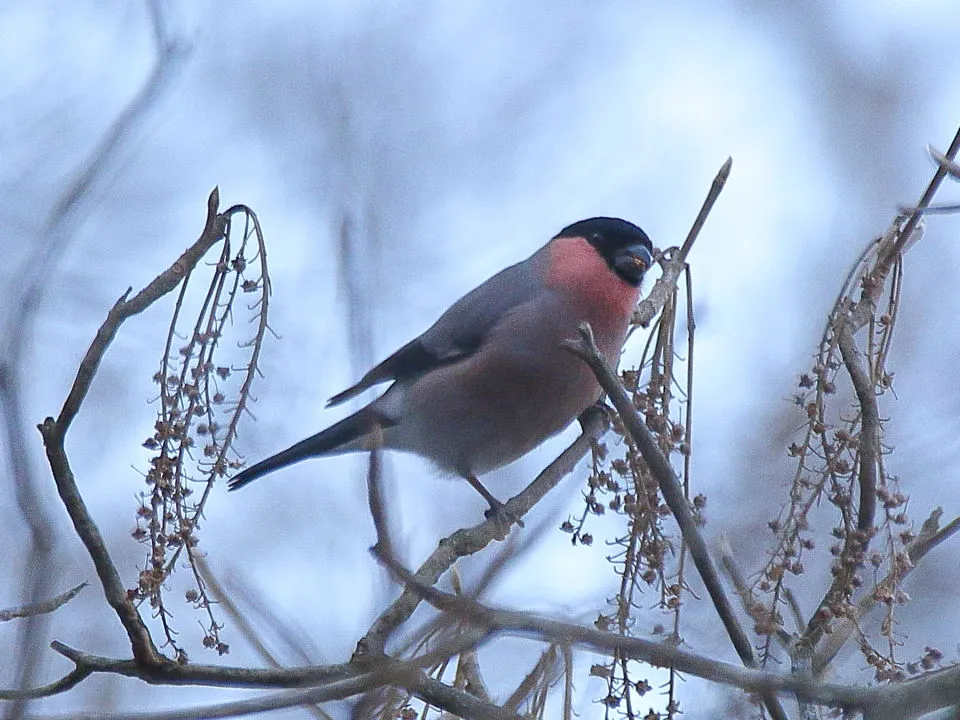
pixel 40 559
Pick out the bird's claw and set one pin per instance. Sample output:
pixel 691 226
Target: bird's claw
pixel 499 511
pixel 598 409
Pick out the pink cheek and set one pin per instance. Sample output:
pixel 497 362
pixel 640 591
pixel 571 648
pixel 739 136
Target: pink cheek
pixel 577 269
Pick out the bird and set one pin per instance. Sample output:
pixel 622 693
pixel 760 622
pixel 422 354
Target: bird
pixel 490 379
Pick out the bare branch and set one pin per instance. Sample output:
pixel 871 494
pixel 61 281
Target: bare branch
pixel 916 697
pixel 715 189
pixel 457 702
pixel 870 428
pixel 326 683
pixel 45 606
pixel 170 673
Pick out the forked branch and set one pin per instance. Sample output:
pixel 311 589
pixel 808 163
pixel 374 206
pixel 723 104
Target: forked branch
pixel 54 434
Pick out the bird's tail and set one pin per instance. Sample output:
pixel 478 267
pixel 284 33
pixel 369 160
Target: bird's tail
pixel 348 435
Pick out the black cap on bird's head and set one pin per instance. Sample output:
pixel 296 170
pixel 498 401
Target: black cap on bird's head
pixel 626 248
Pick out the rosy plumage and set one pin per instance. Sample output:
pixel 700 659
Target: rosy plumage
pixel 490 380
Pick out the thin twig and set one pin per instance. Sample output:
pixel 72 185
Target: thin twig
pixel 567 682
pixel 469 678
pixel 45 606
pixel 225 601
pixel 526 687
pixel 716 187
pixel 296 641
pixel 886 260
pixel 67 682
pixel 952 169
pixel 164 283
pixel 794 604
pixel 648 308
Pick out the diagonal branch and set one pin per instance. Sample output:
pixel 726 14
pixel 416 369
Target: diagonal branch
pixel 903 237
pixel 672 492
pixel 944 162
pixel 648 308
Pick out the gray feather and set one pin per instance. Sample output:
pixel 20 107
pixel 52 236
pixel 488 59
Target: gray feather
pixel 460 330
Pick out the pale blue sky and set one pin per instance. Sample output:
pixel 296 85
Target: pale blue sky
pixel 461 137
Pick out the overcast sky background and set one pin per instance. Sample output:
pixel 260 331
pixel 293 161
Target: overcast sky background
pixel 458 137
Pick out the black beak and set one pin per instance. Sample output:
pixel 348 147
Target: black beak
pixel 632 263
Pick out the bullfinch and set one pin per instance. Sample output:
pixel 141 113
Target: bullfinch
pixel 490 380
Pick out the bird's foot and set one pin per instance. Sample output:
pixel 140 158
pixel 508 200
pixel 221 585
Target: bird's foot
pixel 497 508
pixel 499 511
pixel 597 409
